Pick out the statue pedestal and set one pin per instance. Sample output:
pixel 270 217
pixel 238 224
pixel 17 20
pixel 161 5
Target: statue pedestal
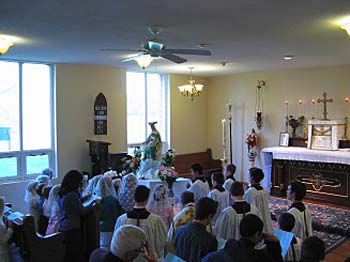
pixel 325 134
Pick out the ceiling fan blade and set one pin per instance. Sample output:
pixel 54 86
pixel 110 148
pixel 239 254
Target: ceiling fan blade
pixel 132 58
pixel 122 50
pixel 189 51
pixel 173 58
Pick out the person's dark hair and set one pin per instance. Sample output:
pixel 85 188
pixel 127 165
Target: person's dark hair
pixel 197 168
pixel 237 189
pixel 231 168
pixel 39 189
pixel 218 178
pixel 250 224
pixel 187 197
pixel 299 189
pixel 141 193
pixel 46 191
pixel 257 174
pixel 286 222
pixel 312 249
pixel 71 182
pixel 204 207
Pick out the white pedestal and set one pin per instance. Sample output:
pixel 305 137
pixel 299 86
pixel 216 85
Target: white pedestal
pixel 178 187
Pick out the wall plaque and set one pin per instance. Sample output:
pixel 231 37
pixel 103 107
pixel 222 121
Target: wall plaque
pixel 100 115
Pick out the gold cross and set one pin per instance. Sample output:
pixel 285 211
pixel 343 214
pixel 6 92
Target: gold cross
pixel 324 101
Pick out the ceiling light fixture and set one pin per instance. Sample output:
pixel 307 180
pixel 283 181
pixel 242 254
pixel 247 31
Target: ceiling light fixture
pixel 346 27
pixel 143 61
pixel 5 44
pixel 191 89
pixel 288 57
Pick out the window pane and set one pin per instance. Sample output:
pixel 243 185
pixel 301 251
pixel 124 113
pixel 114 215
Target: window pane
pixel 8 166
pixel 156 103
pixel 135 83
pixel 9 107
pixel 36 107
pixel 36 164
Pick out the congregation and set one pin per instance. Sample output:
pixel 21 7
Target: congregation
pixel 139 225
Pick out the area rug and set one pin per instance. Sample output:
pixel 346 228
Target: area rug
pixel 331 224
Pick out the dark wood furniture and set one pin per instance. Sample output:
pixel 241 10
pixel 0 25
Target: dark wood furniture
pixel 298 141
pixel 114 161
pixel 183 163
pixel 98 151
pixel 325 182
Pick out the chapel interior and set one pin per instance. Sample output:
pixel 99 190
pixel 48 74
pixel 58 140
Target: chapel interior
pixel 269 64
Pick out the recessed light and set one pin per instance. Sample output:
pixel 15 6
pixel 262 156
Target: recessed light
pixel 202 45
pixel 288 57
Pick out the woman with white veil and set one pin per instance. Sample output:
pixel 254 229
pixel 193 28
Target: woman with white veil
pixel 160 205
pixel 110 211
pixel 126 194
pixel 53 205
pixel 31 197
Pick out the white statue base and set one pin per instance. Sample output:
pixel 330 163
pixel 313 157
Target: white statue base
pixel 149 169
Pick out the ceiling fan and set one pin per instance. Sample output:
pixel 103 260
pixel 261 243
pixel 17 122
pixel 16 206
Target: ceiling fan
pixel 155 47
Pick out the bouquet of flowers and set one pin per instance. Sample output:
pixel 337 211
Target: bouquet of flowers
pixel 167 174
pixel 168 158
pixel 251 141
pixel 132 164
pixel 294 123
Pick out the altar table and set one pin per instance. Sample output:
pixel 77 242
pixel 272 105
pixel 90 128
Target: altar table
pixel 326 174
pixel 178 187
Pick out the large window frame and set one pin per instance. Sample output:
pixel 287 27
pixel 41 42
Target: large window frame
pixel 22 154
pixel 165 79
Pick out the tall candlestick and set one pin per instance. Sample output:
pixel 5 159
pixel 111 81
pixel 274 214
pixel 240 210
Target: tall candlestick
pixel 300 107
pixel 347 107
pixel 287 115
pixel 313 101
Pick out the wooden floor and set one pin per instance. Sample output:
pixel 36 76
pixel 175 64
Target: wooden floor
pixel 340 253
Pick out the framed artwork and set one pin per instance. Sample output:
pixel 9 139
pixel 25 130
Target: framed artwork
pixel 284 139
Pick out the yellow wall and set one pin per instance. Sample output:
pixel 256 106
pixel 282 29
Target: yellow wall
pixel 282 85
pixel 76 89
pixel 188 119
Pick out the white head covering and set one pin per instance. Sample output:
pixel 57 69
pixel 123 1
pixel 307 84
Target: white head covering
pixel 159 202
pixel 126 193
pixel 53 196
pixel 92 184
pixel 48 172
pixel 104 187
pixel 127 238
pixel 43 179
pixel 30 191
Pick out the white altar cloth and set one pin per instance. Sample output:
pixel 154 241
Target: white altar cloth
pixel 178 187
pixel 304 154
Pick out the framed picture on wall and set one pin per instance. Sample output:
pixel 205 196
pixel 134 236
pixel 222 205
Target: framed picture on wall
pixel 284 139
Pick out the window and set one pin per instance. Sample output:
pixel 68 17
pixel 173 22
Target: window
pixel 147 101
pixel 26 119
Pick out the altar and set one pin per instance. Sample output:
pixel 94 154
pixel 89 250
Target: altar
pixel 178 187
pixel 325 173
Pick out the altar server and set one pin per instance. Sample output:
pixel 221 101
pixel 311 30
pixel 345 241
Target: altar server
pixel 153 225
pixel 127 190
pixel 259 197
pixel 229 172
pixel 219 194
pixel 296 192
pixel 200 185
pixel 227 224
pixel 159 205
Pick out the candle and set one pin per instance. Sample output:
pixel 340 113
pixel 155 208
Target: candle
pixel 313 101
pixel 347 107
pixel 286 103
pixel 300 107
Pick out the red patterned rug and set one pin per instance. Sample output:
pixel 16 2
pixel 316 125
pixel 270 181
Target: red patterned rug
pixel 331 224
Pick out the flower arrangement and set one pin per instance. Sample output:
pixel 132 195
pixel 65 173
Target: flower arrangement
pixel 251 141
pixel 132 164
pixel 168 158
pixel 294 123
pixel 167 174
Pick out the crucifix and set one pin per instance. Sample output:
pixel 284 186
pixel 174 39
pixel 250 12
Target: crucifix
pixel 324 101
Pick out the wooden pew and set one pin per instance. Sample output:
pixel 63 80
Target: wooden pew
pixel 183 163
pixel 33 246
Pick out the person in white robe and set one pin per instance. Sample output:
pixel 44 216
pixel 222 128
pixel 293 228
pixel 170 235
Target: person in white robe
pixel 200 186
pixel 227 224
pixel 153 225
pixel 229 172
pixel 286 223
pixel 296 192
pixel 185 216
pixel 220 195
pixel 53 205
pixel 258 196
pixel 5 235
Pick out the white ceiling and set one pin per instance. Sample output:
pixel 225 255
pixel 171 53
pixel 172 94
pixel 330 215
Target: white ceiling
pixel 251 34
